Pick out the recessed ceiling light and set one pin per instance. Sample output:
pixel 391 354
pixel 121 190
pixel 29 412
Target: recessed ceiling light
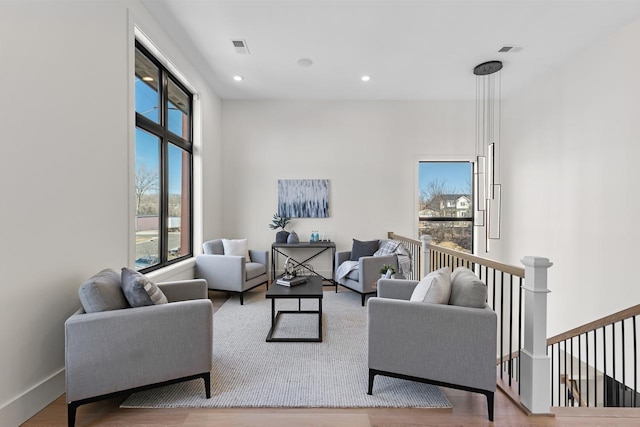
pixel 147 78
pixel 304 62
pixel 238 78
pixel 365 78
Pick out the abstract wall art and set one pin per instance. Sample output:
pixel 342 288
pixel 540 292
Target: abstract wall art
pixel 303 198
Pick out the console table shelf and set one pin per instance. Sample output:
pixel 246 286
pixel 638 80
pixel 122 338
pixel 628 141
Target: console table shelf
pixel 319 247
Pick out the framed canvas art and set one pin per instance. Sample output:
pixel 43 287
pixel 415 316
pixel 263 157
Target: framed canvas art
pixel 303 198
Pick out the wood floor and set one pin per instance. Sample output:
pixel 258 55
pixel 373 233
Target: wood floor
pixel 469 409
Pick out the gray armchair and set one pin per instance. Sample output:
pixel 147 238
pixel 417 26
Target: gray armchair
pixel 124 350
pixel 445 345
pixel 229 272
pixel 363 280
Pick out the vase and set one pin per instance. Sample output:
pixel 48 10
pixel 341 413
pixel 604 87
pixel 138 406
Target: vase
pixel 293 237
pixel 281 236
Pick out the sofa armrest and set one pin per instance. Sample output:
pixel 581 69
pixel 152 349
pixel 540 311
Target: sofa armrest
pixel 221 271
pixel 183 290
pixel 396 288
pixel 261 257
pixel 117 350
pixel 452 344
pixel 341 257
pixel 369 271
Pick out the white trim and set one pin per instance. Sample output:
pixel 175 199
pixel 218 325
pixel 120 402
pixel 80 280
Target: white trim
pixel 29 403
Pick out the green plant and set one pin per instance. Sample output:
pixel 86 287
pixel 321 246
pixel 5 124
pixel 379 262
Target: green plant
pixel 279 221
pixel 387 267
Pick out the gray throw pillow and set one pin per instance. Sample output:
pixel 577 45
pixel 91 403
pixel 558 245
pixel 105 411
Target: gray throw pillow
pixel 360 249
pixel 139 290
pixel 102 292
pixel 466 289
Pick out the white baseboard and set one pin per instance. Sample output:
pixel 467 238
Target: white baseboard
pixel 32 401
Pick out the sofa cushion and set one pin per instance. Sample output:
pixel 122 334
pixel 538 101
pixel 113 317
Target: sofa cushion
pixel 254 269
pixel 139 290
pixel 387 248
pixel 102 292
pixel 360 249
pixel 467 289
pixel 236 247
pixel 434 288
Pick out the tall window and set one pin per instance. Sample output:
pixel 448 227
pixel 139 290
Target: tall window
pixel 445 203
pixel 164 158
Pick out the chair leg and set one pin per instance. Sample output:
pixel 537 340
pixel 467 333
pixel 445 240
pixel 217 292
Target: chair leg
pixel 241 298
pixel 490 405
pixel 363 297
pixel 371 377
pixel 71 414
pixel 207 384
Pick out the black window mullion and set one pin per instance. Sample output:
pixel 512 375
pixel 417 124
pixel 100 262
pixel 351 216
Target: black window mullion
pixel 166 137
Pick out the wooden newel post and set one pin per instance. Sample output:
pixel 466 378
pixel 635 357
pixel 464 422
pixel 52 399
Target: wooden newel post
pixel 426 255
pixel 535 365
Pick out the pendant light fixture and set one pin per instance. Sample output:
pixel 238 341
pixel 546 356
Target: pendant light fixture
pixel 486 174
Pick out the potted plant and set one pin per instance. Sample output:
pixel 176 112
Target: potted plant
pixel 280 222
pixel 387 271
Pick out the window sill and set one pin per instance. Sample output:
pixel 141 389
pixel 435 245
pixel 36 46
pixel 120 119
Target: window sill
pixel 178 271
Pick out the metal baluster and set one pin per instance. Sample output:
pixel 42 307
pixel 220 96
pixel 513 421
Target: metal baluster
pixel 520 316
pixel 510 322
pixel 501 321
pixel 635 365
pixel 559 376
pixel 586 339
pixel 624 366
pixel 604 355
pixel 613 347
pixel 573 401
pixel 579 370
pixel 565 371
pixel 552 376
pixel 595 365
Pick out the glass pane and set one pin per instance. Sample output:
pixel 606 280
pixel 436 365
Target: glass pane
pixel 147 93
pixel 179 216
pixel 178 111
pixel 450 234
pixel 147 199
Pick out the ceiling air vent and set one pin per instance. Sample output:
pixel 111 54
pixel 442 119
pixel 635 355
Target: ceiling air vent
pixel 240 46
pixel 512 49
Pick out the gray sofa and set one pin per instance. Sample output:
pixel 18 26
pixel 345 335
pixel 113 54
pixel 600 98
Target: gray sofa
pixel 363 280
pixel 441 344
pixel 122 350
pixel 229 272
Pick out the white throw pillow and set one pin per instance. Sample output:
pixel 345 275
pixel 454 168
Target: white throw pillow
pixel 434 288
pixel 237 247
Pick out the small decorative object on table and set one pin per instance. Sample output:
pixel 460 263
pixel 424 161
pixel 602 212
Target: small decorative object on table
pixel 387 271
pixel 293 237
pixel 280 222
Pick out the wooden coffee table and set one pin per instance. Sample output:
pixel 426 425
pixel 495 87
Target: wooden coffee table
pixel 310 290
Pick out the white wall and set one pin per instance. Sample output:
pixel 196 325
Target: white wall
pixel 369 151
pixel 570 176
pixel 65 119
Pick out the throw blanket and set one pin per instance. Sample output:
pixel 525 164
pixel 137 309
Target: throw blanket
pixel 346 268
pixel 405 265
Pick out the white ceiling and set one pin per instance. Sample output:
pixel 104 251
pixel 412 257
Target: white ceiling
pixel 412 49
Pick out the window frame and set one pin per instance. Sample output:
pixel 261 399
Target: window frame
pixel 166 137
pixel 436 219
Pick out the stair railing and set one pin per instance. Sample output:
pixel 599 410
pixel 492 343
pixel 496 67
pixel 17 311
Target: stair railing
pixel 523 367
pixel 596 364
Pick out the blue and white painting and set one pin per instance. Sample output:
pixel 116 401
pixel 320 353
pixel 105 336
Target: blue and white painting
pixel 303 198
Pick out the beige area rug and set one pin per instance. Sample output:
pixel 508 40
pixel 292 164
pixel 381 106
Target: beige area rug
pixel 249 372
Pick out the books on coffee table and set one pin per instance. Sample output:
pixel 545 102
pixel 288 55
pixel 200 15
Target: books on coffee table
pixel 291 282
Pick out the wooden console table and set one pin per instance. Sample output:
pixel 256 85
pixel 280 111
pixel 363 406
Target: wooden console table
pixel 320 248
